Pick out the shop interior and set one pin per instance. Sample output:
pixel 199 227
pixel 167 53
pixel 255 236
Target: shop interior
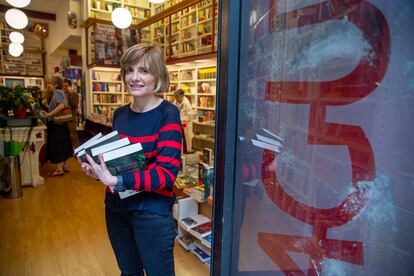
pixel 56 225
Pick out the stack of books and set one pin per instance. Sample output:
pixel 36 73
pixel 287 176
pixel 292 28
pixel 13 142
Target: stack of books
pixel 119 155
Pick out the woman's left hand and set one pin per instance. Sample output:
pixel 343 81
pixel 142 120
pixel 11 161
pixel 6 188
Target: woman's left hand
pixel 101 171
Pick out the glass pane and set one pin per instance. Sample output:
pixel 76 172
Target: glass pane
pixel 325 172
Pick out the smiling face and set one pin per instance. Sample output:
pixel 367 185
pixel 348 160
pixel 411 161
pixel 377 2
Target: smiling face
pixel 139 80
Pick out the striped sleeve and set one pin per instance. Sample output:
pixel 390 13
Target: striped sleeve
pixel 160 175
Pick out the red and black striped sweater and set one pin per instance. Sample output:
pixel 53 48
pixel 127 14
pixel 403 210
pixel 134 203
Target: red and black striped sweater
pixel 159 132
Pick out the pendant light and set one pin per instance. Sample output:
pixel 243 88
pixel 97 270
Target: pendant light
pixel 15 49
pixel 16 37
pixel 16 19
pixel 121 18
pixel 19 3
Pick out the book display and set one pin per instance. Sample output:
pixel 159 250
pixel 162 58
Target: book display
pixel 30 63
pixel 192 228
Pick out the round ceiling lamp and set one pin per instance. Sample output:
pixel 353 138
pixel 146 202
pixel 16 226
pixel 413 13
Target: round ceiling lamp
pixel 15 49
pixel 16 19
pixel 121 18
pixel 16 37
pixel 19 3
pixel 156 1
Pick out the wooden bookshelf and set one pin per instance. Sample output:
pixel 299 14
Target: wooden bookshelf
pixel 198 80
pixel 105 93
pixel 191 31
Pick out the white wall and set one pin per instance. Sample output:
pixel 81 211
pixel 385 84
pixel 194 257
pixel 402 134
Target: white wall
pixel 56 44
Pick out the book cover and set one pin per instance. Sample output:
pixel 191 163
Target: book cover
pixel 201 254
pixel 187 242
pixel 208 156
pixel 125 159
pixel 206 240
pixel 201 230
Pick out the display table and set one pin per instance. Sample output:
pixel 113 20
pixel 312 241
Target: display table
pixel 29 157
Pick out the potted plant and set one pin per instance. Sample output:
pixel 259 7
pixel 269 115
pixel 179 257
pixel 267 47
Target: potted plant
pixel 18 99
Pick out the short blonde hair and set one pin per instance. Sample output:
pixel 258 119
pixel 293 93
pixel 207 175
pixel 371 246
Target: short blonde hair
pixel 152 57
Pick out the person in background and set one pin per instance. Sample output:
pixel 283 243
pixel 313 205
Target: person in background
pixel 186 115
pixel 73 101
pixel 141 228
pixel 58 148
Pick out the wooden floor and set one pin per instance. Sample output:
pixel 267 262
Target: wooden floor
pixel 59 229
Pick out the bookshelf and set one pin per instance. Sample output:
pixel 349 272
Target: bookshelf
pixel 30 63
pixel 105 93
pixel 102 9
pixel 188 32
pixel 198 80
pixel 11 81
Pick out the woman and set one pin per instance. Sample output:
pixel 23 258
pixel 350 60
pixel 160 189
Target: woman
pixel 73 101
pixel 58 148
pixel 141 228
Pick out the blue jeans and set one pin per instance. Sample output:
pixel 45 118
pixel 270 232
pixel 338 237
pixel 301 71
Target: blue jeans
pixel 142 241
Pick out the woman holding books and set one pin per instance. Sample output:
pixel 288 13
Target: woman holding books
pixel 141 227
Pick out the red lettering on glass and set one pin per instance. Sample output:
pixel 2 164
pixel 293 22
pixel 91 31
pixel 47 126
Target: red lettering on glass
pixel 356 85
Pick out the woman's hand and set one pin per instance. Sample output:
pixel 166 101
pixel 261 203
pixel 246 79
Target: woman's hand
pixel 99 171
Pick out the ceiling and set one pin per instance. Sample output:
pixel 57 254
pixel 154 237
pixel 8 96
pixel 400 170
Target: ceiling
pixel 48 6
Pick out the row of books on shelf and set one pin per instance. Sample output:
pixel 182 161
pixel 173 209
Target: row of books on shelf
pixel 118 153
pixel 207 73
pixel 97 76
pixel 205 116
pixel 106 87
pixel 107 111
pixel 205 102
pixel 105 98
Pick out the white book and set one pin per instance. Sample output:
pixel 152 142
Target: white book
pixel 101 139
pixel 268 140
pixel 81 147
pixel 264 145
pixel 111 155
pixel 274 135
pixel 110 146
pixel 80 153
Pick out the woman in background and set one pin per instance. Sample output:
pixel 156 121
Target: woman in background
pixel 58 148
pixel 73 101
